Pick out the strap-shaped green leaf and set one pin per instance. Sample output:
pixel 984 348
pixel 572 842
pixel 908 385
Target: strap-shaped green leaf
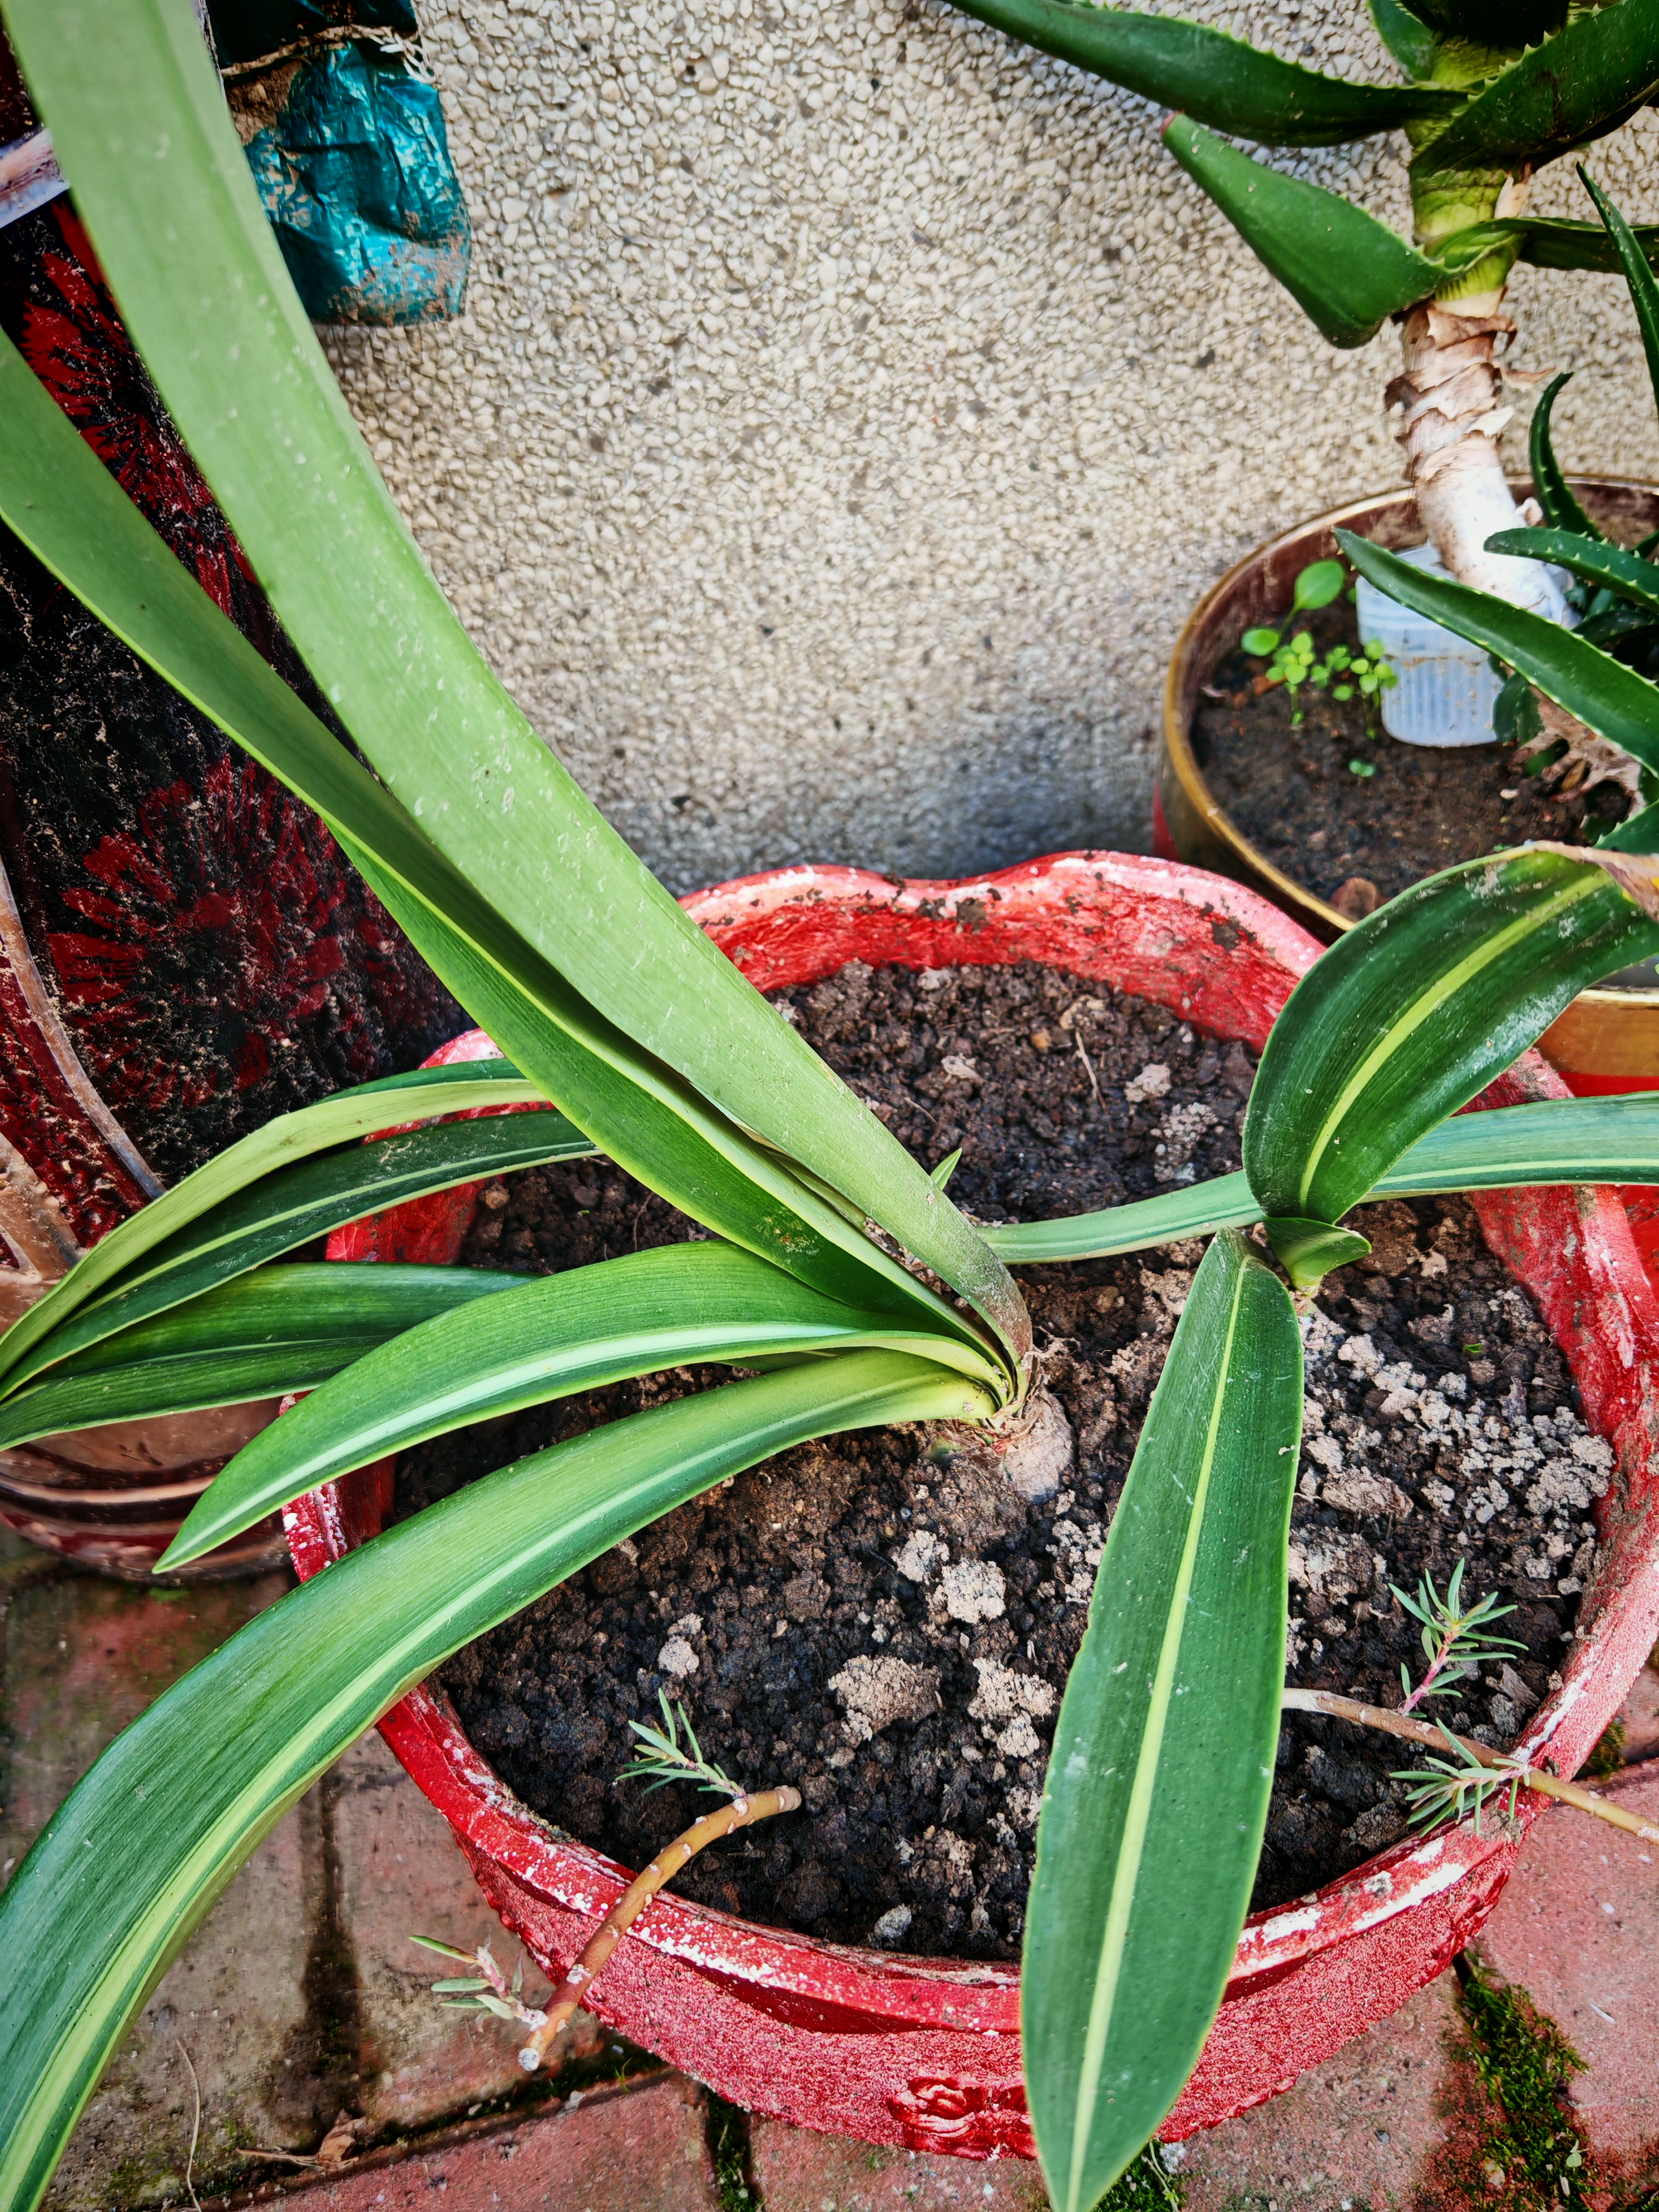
pixel 1555 495
pixel 1341 266
pixel 549 1338
pixel 140 122
pixel 1576 86
pixel 1163 1758
pixel 1210 74
pixel 1633 259
pixel 1613 700
pixel 1407 37
pixel 1224 1202
pixel 291 1138
pixel 1557 1140
pixel 295 1205
pixel 1627 573
pixel 278 1329
pixel 136 1855
pixel 1414 1011
pixel 70 511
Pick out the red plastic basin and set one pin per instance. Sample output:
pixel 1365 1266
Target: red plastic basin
pixel 925 2052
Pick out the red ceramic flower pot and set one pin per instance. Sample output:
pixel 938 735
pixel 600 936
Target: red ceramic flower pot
pixel 925 2052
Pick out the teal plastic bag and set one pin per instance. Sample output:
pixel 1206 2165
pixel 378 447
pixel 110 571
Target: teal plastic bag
pixel 356 178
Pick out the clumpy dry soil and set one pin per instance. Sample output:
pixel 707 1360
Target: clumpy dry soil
pixel 884 1619
pixel 1292 792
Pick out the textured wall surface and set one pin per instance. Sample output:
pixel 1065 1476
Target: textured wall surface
pixel 851 405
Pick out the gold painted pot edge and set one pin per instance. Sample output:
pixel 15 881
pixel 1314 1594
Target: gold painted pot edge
pixel 1609 1035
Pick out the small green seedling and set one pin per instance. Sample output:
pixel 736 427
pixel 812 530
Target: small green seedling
pixel 488 1990
pixel 1451 1790
pixel 665 1758
pixel 1341 671
pixel 1457 1644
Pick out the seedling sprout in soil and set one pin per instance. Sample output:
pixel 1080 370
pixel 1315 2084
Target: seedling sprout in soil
pixel 1342 673
pixel 837 1278
pixel 1456 1643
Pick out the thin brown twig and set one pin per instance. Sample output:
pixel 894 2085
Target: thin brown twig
pixel 1088 1065
pixel 1531 1777
pixel 740 1813
pixel 195 2127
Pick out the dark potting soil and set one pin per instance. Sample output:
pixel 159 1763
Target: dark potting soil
pixel 884 1619
pixel 1293 793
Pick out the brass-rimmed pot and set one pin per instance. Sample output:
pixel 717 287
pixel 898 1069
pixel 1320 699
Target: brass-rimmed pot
pixel 1606 1040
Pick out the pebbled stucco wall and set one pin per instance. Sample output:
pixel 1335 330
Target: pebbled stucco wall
pixel 850 404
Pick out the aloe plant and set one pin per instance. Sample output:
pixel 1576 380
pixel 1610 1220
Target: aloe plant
pixel 627 1032
pixel 1492 93
pixel 1583 700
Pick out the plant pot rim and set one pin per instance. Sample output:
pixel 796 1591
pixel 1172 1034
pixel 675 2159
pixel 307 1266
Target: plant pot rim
pixel 1296 899
pixel 764 2014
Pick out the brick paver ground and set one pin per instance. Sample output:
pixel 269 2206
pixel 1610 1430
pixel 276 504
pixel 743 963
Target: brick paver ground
pixel 301 1996
pixel 639 2149
pixel 1577 1928
pixel 796 2170
pixel 1384 2124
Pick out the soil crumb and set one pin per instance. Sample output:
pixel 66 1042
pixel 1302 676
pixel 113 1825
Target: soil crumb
pixel 887 1620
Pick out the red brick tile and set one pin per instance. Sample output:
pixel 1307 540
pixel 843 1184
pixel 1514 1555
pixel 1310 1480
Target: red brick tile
pixel 83 1657
pixel 1577 1928
pixel 1384 2124
pixel 641 2149
pixel 798 2170
pixel 1640 1716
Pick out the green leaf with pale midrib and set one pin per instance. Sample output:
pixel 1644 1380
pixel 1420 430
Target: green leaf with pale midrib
pixel 296 1204
pixel 1577 85
pixel 141 1847
pixel 1159 1779
pixel 260 1335
pixel 73 515
pixel 1210 74
pixel 291 1138
pixel 681 1306
pixel 248 385
pixel 1414 1011
pixel 1557 1140
pixel 1225 1202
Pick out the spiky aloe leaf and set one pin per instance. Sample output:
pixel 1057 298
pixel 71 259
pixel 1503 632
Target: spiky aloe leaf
pixel 1613 700
pixel 1209 74
pixel 1575 85
pixel 1341 266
